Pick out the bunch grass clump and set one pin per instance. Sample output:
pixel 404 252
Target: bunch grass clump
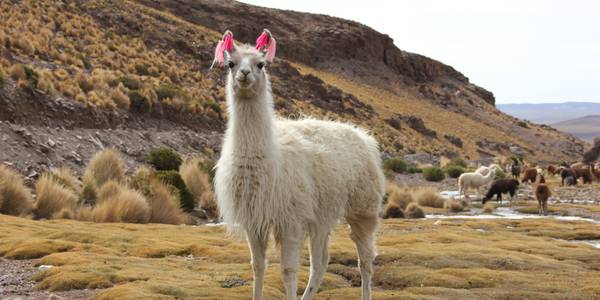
pixel 53 198
pixel 430 198
pixel 105 165
pixel 15 198
pixel 164 159
pixel 414 211
pixel 452 205
pixel 395 164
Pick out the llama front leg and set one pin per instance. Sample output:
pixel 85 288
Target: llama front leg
pixel 319 258
pixel 290 260
pixel 258 249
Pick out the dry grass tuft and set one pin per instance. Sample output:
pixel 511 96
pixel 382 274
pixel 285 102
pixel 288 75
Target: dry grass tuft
pixel 127 206
pixel 429 197
pixel 414 211
pixel 104 166
pixel 164 206
pixel 398 196
pixel 15 198
pixel 392 210
pixel 453 205
pixel 66 177
pixel 52 197
pixel 198 183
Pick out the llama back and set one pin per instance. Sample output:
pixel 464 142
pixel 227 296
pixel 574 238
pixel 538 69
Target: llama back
pixel 343 162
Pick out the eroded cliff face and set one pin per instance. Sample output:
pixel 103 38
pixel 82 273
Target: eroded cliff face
pixel 321 41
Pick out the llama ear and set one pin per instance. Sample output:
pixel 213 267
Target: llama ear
pixel 267 45
pixel 224 48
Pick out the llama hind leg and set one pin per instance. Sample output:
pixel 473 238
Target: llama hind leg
pixel 319 258
pixel 258 249
pixel 363 235
pixel 291 244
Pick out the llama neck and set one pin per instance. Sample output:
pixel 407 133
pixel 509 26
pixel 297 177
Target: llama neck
pixel 251 120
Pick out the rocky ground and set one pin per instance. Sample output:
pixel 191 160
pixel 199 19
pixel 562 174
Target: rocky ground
pixel 16 283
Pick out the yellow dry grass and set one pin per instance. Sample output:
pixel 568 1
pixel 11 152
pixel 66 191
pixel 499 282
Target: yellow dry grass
pixel 417 259
pixel 15 198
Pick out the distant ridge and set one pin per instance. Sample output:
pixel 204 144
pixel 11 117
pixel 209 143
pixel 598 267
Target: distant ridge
pixel 550 113
pixel 586 128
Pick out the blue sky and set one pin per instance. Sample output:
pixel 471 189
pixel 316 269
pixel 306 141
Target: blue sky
pixel 523 51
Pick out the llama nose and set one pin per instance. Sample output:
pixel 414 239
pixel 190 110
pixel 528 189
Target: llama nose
pixel 245 72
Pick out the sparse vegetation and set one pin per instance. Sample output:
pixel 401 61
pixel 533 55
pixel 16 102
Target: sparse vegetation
pixel 395 164
pixel 15 198
pixel 174 180
pixel 125 205
pixel 433 174
pixel 164 159
pixel 453 205
pixel 53 198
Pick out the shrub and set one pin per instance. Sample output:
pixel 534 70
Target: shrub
pixel 1 79
pixel 457 162
pixel 104 166
pixel 52 197
pixel 126 206
pixel 454 171
pixel 173 179
pixel 139 102
pixel 17 72
pixel 399 197
pixel 142 69
pixel 163 159
pixel 165 91
pixel 15 198
pixel 65 177
pixel 164 206
pixel 429 197
pixel 396 164
pixel 433 174
pixel 392 211
pixel 120 98
pixel 414 211
pixel 412 169
pixel 197 182
pixel 452 205
pixel 140 180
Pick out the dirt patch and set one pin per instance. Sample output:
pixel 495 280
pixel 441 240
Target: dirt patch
pixel 16 283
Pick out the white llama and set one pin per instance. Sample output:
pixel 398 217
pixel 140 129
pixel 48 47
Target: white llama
pixel 483 170
pixel 292 178
pixel 474 180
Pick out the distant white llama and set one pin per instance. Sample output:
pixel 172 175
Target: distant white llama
pixel 474 180
pixel 483 170
pixel 292 178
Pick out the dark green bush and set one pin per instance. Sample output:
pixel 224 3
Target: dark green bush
pixel 454 171
pixel 142 69
pixel 1 79
pixel 433 174
pixel 214 106
pixel 396 164
pixel 412 169
pixel 164 159
pixel 32 77
pixel 500 174
pixel 139 102
pixel 174 181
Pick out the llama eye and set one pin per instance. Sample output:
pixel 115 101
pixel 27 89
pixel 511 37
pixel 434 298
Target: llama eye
pixel 260 65
pixel 231 65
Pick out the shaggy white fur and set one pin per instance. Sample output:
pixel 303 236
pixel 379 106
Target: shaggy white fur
pixel 474 180
pixel 293 178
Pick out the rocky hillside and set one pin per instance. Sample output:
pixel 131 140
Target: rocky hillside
pixel 81 75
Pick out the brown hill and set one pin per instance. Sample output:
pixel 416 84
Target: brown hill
pixel 586 128
pixel 80 75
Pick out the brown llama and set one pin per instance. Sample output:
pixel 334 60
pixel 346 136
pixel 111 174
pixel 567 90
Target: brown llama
pixel 542 193
pixel 529 175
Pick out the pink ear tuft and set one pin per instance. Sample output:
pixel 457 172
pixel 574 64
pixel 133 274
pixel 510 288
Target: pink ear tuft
pixel 265 42
pixel 226 44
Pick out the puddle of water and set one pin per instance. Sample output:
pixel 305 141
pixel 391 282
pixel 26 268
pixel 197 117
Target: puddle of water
pixel 215 224
pixel 509 213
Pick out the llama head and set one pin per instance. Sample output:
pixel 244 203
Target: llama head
pixel 246 64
